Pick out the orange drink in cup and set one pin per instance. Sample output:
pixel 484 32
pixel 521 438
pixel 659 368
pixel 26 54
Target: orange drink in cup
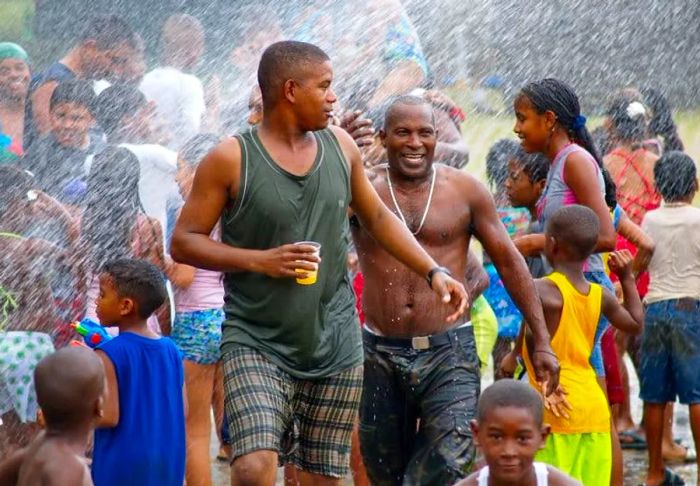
pixel 311 275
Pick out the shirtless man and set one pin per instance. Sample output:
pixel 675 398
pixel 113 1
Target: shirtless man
pixel 69 387
pixel 292 353
pixel 422 375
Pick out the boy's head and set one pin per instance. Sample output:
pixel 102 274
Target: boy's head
pixel 676 177
pixel 130 290
pixel 526 177
pixel 189 157
pixel 106 45
pixel 497 162
pixel 182 41
pixel 122 108
pixel 571 234
pixel 71 109
pixel 509 429
pixel 69 386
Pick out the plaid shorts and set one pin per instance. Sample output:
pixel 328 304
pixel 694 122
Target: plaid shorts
pixel 307 422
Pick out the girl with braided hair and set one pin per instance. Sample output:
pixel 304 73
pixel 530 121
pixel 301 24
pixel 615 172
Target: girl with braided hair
pixel 549 120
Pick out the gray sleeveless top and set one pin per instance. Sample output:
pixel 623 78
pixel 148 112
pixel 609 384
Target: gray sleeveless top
pixel 557 194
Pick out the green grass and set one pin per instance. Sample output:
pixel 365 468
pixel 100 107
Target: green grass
pixel 481 131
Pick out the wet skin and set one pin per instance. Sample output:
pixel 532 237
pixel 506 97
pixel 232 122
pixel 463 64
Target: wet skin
pixel 397 301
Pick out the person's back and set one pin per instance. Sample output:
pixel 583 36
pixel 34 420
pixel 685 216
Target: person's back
pixel 573 344
pixel 69 386
pixel 179 98
pixel 150 376
pixel 578 411
pixel 670 346
pixel 675 266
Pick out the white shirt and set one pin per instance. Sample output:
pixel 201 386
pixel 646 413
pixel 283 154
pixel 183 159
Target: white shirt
pixel 179 100
pixel 541 473
pixel 157 181
pixel 674 269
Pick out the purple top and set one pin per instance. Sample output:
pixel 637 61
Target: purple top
pixel 558 194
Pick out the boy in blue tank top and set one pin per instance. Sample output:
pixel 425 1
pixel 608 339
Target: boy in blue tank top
pixel 142 439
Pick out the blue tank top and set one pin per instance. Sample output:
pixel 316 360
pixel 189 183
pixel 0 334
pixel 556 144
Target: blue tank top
pixel 557 194
pixel 147 447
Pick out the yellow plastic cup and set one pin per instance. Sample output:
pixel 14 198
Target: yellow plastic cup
pixel 311 275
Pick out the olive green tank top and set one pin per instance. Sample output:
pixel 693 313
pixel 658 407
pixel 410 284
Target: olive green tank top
pixel 309 331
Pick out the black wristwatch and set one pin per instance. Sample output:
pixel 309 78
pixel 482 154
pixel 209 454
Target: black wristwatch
pixel 435 270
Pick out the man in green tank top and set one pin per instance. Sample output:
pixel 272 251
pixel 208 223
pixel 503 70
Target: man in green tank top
pixel 292 353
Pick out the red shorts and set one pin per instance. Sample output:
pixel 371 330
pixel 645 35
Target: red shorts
pixel 613 378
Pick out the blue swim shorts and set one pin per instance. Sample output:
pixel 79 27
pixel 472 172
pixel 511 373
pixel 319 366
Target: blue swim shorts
pixel 198 335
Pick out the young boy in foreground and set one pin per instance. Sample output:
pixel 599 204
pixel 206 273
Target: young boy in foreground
pixel 572 307
pixel 141 439
pixel 69 388
pixel 509 430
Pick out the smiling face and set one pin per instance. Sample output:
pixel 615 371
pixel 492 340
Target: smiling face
pixel 509 439
pixel 70 124
pixel 410 138
pixel 14 79
pixel 532 128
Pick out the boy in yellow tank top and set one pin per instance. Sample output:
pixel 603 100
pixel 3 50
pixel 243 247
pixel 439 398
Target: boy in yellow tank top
pixel 578 413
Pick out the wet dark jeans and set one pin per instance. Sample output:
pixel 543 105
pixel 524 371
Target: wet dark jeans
pixel 415 410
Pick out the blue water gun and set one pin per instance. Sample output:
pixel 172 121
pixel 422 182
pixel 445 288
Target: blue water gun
pixel 93 333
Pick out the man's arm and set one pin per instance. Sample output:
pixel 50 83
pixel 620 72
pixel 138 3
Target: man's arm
pixel 41 99
pixel 489 230
pixel 391 233
pixel 216 180
pixel 9 468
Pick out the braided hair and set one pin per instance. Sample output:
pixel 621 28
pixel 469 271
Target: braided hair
pixel 550 94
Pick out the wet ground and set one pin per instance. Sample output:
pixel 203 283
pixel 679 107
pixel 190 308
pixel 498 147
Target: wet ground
pixel 635 461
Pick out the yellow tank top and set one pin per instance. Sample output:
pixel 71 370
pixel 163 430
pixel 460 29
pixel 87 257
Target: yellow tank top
pixel 573 343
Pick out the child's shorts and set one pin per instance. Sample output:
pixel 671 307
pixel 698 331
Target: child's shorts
pixel 20 352
pixel 485 329
pixel 198 335
pixel 586 457
pixel 670 352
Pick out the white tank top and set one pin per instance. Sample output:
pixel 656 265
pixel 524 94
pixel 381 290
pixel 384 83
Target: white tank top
pixel 541 473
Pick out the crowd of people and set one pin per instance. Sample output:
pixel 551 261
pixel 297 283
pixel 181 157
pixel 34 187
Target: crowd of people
pixel 301 272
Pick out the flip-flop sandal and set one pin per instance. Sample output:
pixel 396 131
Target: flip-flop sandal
pixel 689 458
pixel 670 479
pixel 634 440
